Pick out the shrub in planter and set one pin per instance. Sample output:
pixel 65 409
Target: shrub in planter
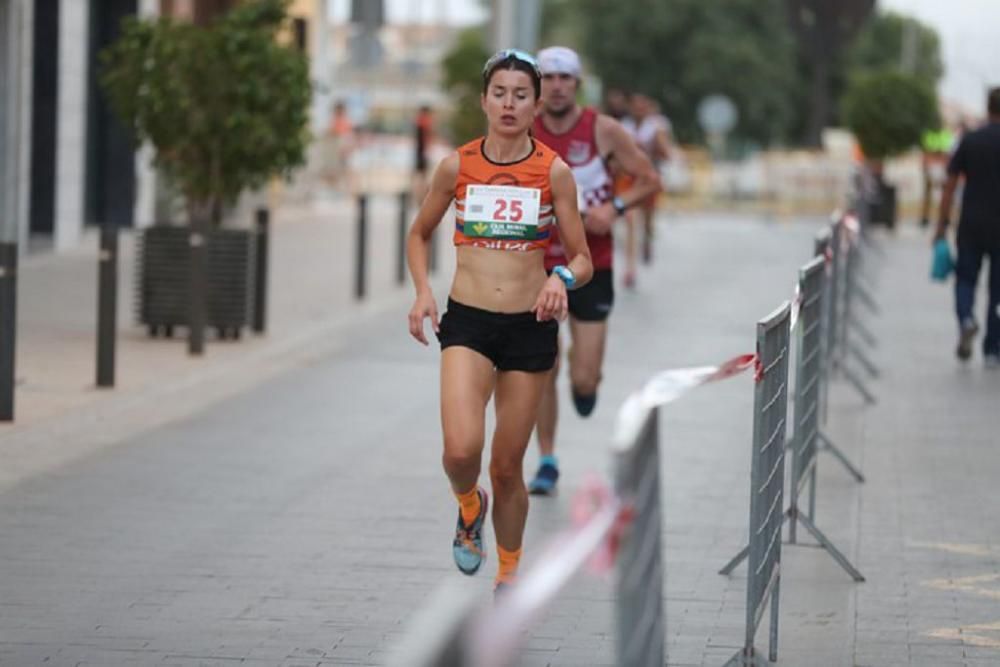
pixel 224 105
pixel 888 112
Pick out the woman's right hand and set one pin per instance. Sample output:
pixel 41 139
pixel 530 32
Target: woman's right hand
pixel 424 306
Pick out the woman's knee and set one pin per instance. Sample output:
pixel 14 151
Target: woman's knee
pixel 506 473
pixel 458 459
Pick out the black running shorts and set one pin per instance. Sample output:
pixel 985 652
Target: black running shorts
pixel 512 341
pixel 593 301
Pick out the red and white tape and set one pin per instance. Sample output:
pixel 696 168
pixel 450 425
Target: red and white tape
pixel 665 388
pixel 592 498
pixel 600 521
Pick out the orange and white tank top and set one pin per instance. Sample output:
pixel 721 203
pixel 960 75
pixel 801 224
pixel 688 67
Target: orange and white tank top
pixel 504 206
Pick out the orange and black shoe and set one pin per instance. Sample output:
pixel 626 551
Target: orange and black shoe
pixel 467 548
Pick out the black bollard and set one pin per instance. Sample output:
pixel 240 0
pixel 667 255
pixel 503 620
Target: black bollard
pixel 361 260
pixel 432 260
pixel 260 277
pixel 401 259
pixel 198 296
pixel 107 305
pixel 8 327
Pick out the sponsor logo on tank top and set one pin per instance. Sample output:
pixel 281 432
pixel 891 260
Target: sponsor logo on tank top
pixel 503 178
pixel 577 152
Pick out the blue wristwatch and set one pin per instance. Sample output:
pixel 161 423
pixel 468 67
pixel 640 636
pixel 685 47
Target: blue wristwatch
pixel 565 275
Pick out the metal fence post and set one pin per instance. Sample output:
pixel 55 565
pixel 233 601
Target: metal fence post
pixel 107 305
pixel 641 629
pixel 8 328
pixel 767 480
pixel 440 632
pixel 401 256
pixel 824 249
pixel 362 248
pixel 821 248
pixel 806 433
pixel 263 233
pixel 840 309
pixel 854 290
pixel 198 287
pixel 432 260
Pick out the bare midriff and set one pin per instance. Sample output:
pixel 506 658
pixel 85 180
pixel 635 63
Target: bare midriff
pixel 500 281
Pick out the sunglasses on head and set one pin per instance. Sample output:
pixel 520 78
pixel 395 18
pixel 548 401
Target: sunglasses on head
pixel 516 54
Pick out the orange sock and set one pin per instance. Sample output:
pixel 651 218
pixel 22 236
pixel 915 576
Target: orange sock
pixel 469 502
pixel 509 560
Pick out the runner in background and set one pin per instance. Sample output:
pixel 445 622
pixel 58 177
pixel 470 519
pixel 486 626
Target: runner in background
pixel 936 146
pixel 340 143
pixel 423 131
pixel 652 131
pixel 587 141
pixel 616 105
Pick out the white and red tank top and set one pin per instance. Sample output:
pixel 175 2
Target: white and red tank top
pixel 594 185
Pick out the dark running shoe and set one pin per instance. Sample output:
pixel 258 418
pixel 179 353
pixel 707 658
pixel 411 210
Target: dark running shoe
pixel 544 483
pixel 965 339
pixel 467 548
pixel 584 403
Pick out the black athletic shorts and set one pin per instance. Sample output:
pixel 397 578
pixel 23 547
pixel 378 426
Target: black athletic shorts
pixel 512 341
pixel 593 301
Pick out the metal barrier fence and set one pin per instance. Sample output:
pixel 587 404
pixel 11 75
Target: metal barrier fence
pixel 806 432
pixel 857 293
pixel 845 250
pixel 827 240
pixel 767 481
pixel 641 629
pixel 822 248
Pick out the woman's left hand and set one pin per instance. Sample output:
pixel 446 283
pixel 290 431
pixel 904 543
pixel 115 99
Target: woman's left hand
pixel 552 302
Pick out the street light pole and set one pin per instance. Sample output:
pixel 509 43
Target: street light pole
pixel 515 24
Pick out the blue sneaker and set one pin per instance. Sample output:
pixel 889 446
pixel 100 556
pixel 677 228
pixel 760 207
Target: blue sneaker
pixel 544 483
pixel 467 547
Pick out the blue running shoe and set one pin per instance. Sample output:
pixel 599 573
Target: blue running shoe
pixel 468 545
pixel 544 483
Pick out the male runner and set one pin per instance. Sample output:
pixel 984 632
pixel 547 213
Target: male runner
pixel 587 141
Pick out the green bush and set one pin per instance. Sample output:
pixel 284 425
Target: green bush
pixel 889 112
pixel 463 79
pixel 225 106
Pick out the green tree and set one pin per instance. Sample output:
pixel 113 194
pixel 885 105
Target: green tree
pixel 892 40
pixel 463 79
pixel 225 105
pixel 889 111
pixel 680 51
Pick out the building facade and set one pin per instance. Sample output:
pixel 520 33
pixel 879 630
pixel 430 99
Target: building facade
pixel 65 161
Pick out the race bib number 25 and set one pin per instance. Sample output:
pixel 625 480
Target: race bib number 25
pixel 501 212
